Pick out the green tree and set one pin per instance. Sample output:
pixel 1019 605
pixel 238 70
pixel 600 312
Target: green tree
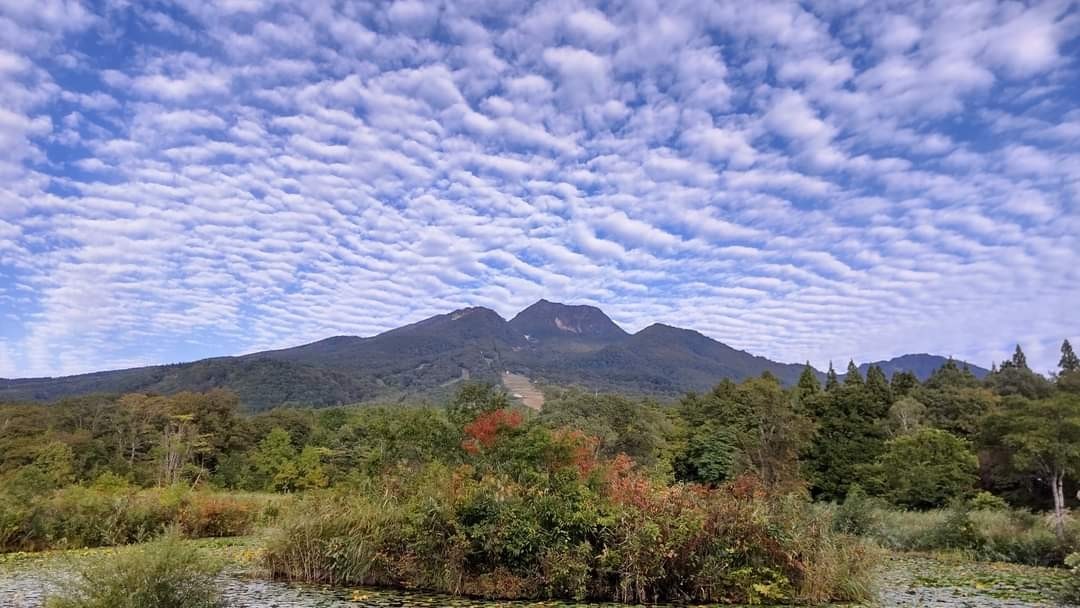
pixel 808 383
pixel 1019 360
pixel 878 385
pixel 903 383
pixel 851 429
pixel 1043 437
pixel 831 380
pixel 274 461
pixel 755 427
pixel 1069 362
pixel 924 469
pixel 959 410
pixel 56 462
pixel 853 377
pixel 310 472
pixel 951 375
pixel 474 399
pixel 709 457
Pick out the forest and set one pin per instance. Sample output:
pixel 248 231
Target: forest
pixel 751 492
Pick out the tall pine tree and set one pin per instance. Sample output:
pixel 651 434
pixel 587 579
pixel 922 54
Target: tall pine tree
pixel 878 386
pixel 808 383
pixel 853 377
pixel 831 379
pixel 1069 362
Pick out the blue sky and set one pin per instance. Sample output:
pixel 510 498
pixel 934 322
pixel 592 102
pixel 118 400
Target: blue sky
pixel 815 180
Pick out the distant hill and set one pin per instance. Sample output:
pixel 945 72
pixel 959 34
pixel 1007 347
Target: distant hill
pixel 922 365
pixel 548 343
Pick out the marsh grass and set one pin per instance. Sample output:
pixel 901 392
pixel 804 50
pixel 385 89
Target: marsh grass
pixel 79 516
pixel 1007 535
pixel 165 573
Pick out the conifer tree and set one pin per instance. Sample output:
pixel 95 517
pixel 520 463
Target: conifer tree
pixel 903 383
pixel 831 380
pixel 878 386
pixel 808 382
pixel 1069 362
pixel 853 377
pixel 1019 361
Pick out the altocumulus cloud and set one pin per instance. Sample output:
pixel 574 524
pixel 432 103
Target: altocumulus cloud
pixel 798 179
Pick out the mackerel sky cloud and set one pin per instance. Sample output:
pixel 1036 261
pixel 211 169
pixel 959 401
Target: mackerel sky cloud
pixel 815 180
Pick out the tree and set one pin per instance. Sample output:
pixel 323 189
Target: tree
pixel 924 469
pixel 1043 437
pixel 878 386
pixel 851 431
pixel 1069 362
pixel 808 382
pixel 853 377
pixel 951 375
pixel 906 416
pixel 474 399
pixel 903 383
pixel 1018 360
pixel 274 461
pixel 831 380
pixel 180 441
pixel 754 427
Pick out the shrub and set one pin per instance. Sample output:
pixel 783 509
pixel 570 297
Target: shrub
pixel 985 501
pixel 113 514
pixel 856 514
pixel 611 533
pixel 1011 535
pixel 1071 593
pixel 165 574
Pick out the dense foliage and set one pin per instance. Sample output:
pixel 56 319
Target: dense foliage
pixel 534 514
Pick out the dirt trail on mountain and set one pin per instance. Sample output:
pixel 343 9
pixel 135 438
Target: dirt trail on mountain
pixel 522 388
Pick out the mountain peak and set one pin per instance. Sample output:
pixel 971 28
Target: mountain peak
pixel 546 320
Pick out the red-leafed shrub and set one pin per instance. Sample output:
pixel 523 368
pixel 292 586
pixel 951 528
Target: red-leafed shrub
pixel 484 430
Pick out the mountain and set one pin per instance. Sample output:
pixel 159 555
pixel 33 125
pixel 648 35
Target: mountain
pixel 547 343
pixel 922 365
pixel 566 328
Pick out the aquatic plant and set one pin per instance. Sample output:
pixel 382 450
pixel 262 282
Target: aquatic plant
pixel 165 573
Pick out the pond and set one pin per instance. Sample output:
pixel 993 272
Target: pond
pixel 906 580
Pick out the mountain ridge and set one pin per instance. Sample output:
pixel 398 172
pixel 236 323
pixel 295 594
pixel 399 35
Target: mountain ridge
pixel 547 342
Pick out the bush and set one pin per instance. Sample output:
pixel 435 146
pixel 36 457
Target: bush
pixel 116 514
pixel 165 574
pixel 1010 535
pixel 1071 594
pixel 611 534
pixel 985 501
pixel 856 514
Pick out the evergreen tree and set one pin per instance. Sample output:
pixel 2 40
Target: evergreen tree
pixel 1069 362
pixel 1019 361
pixel 808 383
pixel 831 380
pixel 851 434
pixel 903 383
pixel 878 386
pixel 853 377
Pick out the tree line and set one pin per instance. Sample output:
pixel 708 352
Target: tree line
pixel 918 445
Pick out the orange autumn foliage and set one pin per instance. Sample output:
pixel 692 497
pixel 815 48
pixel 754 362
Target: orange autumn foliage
pixel 484 430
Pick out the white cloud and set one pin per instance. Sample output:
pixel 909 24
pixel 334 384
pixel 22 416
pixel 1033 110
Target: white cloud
pixel 814 180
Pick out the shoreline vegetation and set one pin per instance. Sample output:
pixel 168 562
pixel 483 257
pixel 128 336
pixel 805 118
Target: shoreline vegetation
pixel 751 493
